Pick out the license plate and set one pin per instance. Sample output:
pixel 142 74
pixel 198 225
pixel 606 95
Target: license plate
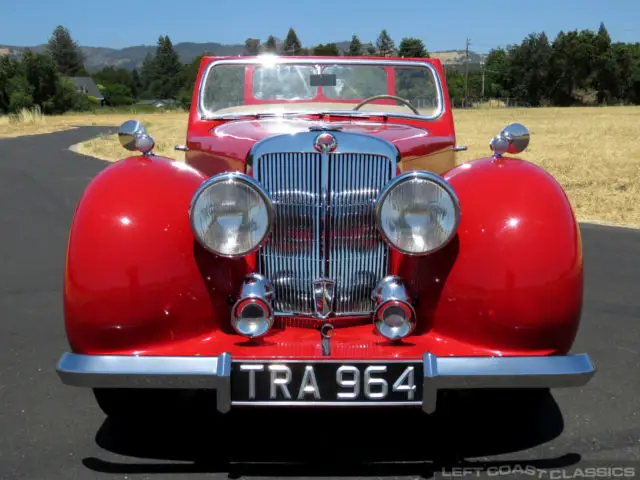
pixel 326 383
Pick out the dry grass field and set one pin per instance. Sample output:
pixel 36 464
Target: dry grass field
pixel 591 151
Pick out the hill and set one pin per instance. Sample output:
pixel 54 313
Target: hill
pixel 97 58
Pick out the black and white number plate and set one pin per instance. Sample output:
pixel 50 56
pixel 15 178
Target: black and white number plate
pixel 326 383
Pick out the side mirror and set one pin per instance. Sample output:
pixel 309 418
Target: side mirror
pixel 134 137
pixel 514 138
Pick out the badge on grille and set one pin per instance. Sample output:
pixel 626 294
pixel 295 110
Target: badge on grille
pixel 323 292
pixel 325 143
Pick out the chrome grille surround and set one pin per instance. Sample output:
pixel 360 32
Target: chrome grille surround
pixel 325 227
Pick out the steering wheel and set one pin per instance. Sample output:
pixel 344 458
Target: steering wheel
pixel 406 103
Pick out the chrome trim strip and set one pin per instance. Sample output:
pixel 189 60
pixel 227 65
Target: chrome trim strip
pixel 555 371
pixel 119 371
pixel 302 142
pixel 205 115
pixel 326 404
pixel 312 316
pixel 129 371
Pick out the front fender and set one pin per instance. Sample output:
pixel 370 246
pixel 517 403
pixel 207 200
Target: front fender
pixel 512 279
pixel 134 274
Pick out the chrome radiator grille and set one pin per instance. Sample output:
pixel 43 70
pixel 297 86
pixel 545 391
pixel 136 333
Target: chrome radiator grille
pixel 324 228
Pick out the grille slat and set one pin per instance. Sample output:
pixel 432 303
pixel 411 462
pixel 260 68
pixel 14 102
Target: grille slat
pixel 324 228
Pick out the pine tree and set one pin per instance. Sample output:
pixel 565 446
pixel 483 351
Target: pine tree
pixel 326 50
pixel 66 53
pixel 166 72
pixel 270 45
pixel 412 48
pixel 251 46
pixel 136 83
pixel 355 47
pixel 606 76
pixel 292 44
pixel 385 45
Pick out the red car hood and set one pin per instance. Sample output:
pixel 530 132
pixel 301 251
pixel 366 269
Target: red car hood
pixel 256 130
pixel 227 145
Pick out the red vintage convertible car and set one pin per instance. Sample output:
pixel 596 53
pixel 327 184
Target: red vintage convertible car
pixel 320 247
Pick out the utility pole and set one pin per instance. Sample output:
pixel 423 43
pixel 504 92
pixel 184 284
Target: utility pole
pixel 482 61
pixel 466 73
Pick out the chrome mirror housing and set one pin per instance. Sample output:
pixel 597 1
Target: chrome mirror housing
pixel 134 137
pixel 514 138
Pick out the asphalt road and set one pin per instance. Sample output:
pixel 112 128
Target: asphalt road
pixel 49 431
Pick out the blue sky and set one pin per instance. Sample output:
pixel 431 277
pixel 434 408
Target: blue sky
pixel 442 25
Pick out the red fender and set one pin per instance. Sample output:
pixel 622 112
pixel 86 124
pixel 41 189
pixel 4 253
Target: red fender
pixel 512 278
pixel 137 280
pixel 134 274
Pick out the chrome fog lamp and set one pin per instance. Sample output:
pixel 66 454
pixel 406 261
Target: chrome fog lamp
pixel 417 213
pixel 231 215
pixel 394 317
pixel 252 314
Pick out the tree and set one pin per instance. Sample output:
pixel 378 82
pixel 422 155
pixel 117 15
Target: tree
pixel 627 61
pixel 530 65
pixel 385 45
pixel 292 44
pixel 455 83
pixel 36 82
pixel 607 78
pixel 412 48
pixel 270 46
pixel 66 98
pixel 147 72
pixel 355 47
pixel 117 95
pixel 326 50
pixel 571 67
pixel 41 73
pixel 498 81
pixel 14 87
pixel 136 83
pixel 15 91
pixel 66 53
pixel 166 71
pixel 190 76
pixel 251 46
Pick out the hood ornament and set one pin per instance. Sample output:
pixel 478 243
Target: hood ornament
pixel 325 143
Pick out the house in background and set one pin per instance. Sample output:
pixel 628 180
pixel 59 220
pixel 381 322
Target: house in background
pixel 88 86
pixel 159 103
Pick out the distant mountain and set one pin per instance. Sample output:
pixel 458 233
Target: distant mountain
pixel 457 57
pixel 97 58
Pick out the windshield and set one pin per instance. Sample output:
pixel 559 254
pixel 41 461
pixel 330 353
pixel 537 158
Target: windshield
pixel 280 86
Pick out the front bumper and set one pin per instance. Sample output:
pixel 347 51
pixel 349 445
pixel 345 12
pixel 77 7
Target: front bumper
pixel 214 373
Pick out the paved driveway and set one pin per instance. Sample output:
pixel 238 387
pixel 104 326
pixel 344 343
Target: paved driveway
pixel 48 431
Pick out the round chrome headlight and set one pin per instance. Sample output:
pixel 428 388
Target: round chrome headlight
pixel 231 215
pixel 418 213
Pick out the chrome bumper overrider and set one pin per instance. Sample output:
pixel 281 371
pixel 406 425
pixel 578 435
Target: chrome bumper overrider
pixel 214 373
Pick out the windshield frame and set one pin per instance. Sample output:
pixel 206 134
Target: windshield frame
pixel 206 114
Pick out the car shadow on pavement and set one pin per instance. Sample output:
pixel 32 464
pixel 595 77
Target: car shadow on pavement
pixel 293 442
